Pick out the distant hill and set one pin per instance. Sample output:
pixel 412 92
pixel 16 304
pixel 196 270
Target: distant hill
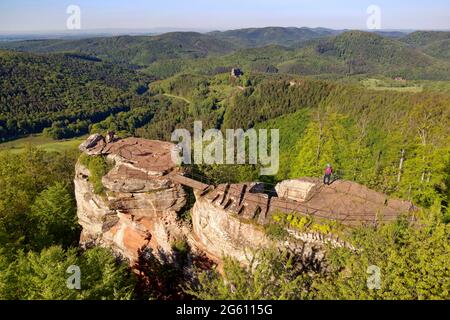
pixel 139 50
pixel 259 37
pixel 37 90
pixel 423 38
pixel 309 51
pixel 434 43
pixel 146 49
pixel 357 52
pixel 391 34
pixel 439 49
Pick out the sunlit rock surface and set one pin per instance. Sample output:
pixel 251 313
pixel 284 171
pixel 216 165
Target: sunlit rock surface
pixel 145 192
pixel 140 204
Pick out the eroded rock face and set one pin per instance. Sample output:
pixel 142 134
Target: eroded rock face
pixel 139 207
pixel 221 233
pixel 230 220
pixel 144 192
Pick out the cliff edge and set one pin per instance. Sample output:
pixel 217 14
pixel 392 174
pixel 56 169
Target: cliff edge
pixel 143 193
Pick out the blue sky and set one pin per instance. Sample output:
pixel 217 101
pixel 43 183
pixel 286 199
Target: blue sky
pixel 50 15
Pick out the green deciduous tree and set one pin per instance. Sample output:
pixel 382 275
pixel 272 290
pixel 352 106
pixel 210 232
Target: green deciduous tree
pixel 332 138
pixel 272 275
pixel 23 179
pixel 412 260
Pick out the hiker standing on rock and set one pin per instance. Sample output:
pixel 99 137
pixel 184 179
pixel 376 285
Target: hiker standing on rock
pixel 328 173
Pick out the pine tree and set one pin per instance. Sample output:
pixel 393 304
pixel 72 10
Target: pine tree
pixel 53 213
pixel 44 275
pixel 271 275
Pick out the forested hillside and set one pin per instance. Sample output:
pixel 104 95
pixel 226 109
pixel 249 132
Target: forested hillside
pixel 65 90
pixel 439 49
pixel 322 122
pixel 357 52
pixel 133 50
pixel 260 37
pixel 349 53
pixel 433 43
pixel 285 50
pixel 423 38
pixel 374 105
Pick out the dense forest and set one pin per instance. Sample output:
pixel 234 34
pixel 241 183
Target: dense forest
pixel 420 55
pixel 62 90
pixel 66 86
pixel 376 106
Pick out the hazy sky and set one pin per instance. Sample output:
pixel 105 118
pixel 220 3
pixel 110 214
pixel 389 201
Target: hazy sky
pixel 50 15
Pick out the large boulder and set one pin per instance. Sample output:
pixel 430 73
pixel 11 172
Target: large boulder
pixel 298 190
pixel 91 142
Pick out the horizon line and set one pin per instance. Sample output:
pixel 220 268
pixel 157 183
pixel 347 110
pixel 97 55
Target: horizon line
pixel 193 29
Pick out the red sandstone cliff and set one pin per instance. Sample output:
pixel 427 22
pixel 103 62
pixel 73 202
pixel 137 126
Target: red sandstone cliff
pixel 144 193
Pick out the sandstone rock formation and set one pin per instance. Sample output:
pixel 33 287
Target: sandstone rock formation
pixel 343 201
pixel 145 192
pixel 227 224
pixel 90 142
pixel 140 205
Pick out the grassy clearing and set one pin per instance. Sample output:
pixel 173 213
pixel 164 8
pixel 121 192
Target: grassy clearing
pixel 436 86
pixel 45 143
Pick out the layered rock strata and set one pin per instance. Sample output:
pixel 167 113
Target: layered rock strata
pixel 140 204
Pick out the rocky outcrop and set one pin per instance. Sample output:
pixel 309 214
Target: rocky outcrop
pixel 139 207
pixel 345 202
pixel 225 230
pixel 223 233
pixel 145 192
pixel 91 142
pixel 300 190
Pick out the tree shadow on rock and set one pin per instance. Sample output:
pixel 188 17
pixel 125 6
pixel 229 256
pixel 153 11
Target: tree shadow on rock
pixel 163 276
pixel 159 276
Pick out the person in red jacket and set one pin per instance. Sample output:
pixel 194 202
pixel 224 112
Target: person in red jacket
pixel 328 173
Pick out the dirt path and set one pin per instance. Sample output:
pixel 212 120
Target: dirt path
pixel 177 97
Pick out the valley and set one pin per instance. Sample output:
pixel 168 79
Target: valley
pixel 45 143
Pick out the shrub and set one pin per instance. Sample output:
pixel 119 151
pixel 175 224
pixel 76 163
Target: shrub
pixel 98 167
pixel 276 231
